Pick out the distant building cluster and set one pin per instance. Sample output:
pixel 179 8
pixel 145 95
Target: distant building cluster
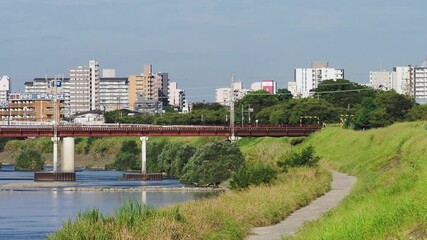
pixel 223 95
pixel 408 80
pixel 86 90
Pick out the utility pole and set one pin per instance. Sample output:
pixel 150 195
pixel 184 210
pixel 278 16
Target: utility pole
pixel 249 113
pixel 242 116
pixel 232 137
pixel 55 127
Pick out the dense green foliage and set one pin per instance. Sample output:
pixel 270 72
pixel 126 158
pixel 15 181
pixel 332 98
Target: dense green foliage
pixel 389 198
pixel 174 157
pixel 29 160
pixel 127 158
pixel 305 157
pixel 343 93
pixel 253 174
pixel 212 164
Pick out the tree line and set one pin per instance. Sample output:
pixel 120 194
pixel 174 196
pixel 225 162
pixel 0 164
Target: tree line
pixel 341 101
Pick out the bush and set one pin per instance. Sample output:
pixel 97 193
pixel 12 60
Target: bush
pixel 253 174
pixel 29 160
pixel 296 141
pixel 127 158
pixel 173 158
pixel 297 159
pixel 212 164
pixel 125 161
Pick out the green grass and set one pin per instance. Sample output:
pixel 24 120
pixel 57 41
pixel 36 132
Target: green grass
pixel 389 200
pixel 227 216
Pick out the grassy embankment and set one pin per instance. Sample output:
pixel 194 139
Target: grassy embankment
pixel 228 216
pixel 389 200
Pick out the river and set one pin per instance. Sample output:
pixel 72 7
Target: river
pixel 34 213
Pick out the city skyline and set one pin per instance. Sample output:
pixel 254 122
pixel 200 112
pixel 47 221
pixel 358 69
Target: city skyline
pixel 200 43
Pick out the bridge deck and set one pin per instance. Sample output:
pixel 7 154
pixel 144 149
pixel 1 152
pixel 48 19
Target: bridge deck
pixel 154 130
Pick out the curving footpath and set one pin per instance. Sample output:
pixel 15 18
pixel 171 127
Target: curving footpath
pixel 341 185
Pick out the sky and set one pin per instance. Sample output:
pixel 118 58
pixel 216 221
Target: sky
pixel 201 43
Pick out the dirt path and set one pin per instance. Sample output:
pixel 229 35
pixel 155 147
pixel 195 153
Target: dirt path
pixel 341 185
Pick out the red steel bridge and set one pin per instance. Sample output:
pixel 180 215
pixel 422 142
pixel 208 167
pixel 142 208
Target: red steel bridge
pixel 112 130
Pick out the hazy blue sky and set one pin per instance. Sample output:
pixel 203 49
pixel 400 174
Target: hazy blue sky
pixel 200 43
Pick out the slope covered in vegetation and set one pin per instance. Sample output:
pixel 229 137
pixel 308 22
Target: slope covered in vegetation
pixel 389 200
pixel 227 216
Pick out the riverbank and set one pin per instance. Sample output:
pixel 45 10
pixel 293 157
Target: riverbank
pixel 75 186
pixel 227 216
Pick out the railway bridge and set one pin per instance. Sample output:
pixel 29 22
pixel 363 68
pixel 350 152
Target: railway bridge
pixel 67 133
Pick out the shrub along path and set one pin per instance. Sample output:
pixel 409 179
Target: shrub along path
pixel 341 185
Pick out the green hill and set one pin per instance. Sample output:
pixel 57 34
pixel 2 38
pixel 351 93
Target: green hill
pixel 389 200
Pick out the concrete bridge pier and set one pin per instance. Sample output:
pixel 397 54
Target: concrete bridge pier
pixel 144 175
pixel 55 141
pixel 143 154
pixel 67 172
pixel 67 155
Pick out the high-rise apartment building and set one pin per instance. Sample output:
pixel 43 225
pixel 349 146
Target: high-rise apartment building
pixel 4 88
pixel 223 95
pixel 381 80
pixel 153 86
pixel 420 83
pixel 400 79
pixel 309 78
pixel 176 96
pixel 84 88
pixel 403 80
pixel 113 93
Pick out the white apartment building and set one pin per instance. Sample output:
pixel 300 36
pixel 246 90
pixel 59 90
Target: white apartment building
pixel 401 79
pixel 256 86
pixel 113 93
pixel 223 95
pixel 292 87
pixel 176 96
pixel 84 88
pixel 381 80
pixel 307 79
pixel 4 88
pixel 420 83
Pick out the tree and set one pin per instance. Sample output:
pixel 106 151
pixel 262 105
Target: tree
pixel 257 100
pixel 417 112
pixel 292 111
pixel 173 158
pixel 154 149
pixel 283 95
pixel 124 161
pixel 343 93
pixel 127 158
pixel 212 164
pixel 396 105
pixel 29 160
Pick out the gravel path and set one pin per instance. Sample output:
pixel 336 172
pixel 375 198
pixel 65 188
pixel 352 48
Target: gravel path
pixel 341 185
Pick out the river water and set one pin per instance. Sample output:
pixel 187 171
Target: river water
pixel 34 213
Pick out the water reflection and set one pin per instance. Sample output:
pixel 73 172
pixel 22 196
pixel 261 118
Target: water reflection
pixel 34 213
